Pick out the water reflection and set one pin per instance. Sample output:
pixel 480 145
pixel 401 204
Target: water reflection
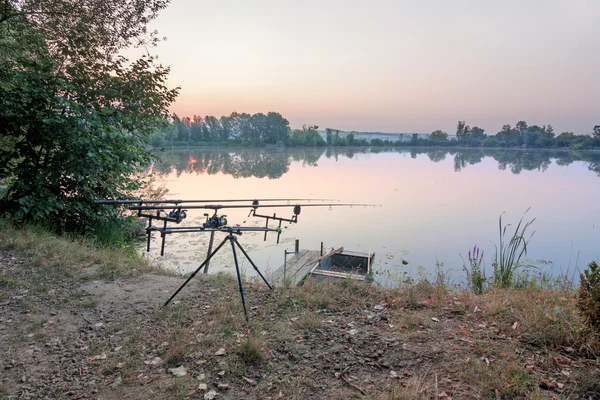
pixel 274 163
pixel 436 202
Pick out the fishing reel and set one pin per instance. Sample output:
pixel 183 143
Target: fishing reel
pixel 177 214
pixel 215 221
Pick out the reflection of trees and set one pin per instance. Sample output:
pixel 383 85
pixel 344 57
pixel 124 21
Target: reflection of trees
pixel 436 155
pixel 517 161
pixel 260 165
pixel 514 160
pixel 274 163
pixel 594 160
pixel 239 163
pixel 308 156
pixel 464 158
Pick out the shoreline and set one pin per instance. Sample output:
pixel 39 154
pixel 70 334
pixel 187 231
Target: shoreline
pixel 76 322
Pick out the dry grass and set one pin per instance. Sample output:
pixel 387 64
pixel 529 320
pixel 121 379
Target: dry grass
pixel 251 351
pixel 65 258
pixel 326 339
pixel 542 317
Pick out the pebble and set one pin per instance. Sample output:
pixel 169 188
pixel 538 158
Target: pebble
pixel 179 371
pixel 221 352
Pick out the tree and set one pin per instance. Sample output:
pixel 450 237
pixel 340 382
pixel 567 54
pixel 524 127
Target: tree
pixel 508 135
pixel 213 128
pixel 596 133
pixel 307 136
pixel 277 129
pixel 565 139
pixel 478 133
pixel 75 115
pixel 548 132
pixel 438 136
pixel 196 124
pixel 521 127
pixel 462 132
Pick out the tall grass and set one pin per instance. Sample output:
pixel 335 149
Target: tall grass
pixel 509 253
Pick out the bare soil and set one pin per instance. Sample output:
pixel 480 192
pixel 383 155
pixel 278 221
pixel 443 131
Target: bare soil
pixel 88 338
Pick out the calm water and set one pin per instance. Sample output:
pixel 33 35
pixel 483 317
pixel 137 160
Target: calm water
pixel 435 205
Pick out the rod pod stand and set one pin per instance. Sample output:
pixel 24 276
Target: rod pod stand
pixel 233 240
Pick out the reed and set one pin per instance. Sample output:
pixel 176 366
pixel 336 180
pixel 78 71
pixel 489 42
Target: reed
pixel 510 252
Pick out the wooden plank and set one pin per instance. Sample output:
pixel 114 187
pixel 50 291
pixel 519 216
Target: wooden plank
pixel 340 275
pixel 278 273
pixel 302 268
pixel 297 268
pixel 331 253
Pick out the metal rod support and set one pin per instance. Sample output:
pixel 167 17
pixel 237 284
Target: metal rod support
pixel 252 263
pixel 210 245
pixel 232 239
pixel 196 271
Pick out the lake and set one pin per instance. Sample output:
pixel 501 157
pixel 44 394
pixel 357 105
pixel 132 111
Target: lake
pixel 436 204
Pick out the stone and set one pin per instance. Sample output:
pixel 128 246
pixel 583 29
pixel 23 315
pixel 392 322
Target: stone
pixel 221 352
pixel 179 371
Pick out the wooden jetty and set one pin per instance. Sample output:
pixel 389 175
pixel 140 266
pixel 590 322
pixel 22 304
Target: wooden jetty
pixel 337 264
pixel 294 270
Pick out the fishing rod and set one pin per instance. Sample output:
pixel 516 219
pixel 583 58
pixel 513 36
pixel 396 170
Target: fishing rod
pixel 220 206
pixel 175 211
pixel 172 201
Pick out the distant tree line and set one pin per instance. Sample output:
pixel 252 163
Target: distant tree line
pixel 521 135
pixel 257 129
pixel 273 129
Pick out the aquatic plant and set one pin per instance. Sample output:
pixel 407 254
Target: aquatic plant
pixel 476 279
pixel 509 253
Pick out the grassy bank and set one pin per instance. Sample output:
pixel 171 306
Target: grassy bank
pixel 81 320
pixel 67 258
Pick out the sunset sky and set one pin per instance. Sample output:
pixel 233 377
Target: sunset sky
pixel 391 66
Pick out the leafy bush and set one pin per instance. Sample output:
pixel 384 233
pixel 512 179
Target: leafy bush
pixel 75 116
pixel 588 300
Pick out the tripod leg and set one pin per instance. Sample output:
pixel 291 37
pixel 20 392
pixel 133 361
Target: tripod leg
pixel 149 233
pixel 237 269
pixel 254 265
pixel 196 271
pixel 210 245
pixel 164 237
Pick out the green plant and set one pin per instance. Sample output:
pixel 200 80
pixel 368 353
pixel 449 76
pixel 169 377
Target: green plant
pixel 509 254
pixel 476 278
pixel 76 116
pixel 588 300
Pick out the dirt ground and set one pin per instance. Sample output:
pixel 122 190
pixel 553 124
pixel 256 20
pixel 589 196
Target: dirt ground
pixel 89 338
